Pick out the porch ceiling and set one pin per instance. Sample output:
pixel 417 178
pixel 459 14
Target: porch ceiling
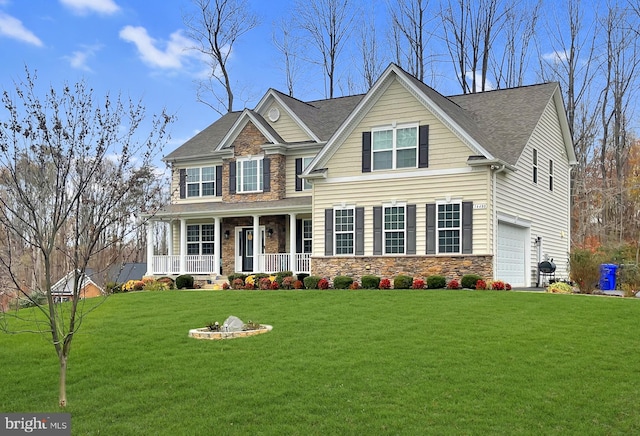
pixel 274 207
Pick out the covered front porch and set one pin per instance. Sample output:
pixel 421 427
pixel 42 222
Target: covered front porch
pixel 206 240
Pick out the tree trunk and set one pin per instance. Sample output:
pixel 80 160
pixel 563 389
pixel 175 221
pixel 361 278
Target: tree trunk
pixel 62 397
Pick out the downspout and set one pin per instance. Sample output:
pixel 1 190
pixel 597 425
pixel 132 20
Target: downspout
pixel 495 170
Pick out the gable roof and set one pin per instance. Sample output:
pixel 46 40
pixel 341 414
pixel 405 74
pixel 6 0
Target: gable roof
pixel 64 286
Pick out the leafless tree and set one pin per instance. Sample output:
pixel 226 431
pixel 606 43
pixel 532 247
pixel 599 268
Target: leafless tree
pixel 285 42
pixel 215 26
pixel 327 25
pixel 409 23
pixel 470 30
pixel 372 63
pixel 71 169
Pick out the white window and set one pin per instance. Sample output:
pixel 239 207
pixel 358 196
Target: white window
pixel 449 227
pixel 550 175
pixel 394 229
pixel 307 236
pixel 249 175
pixel 395 147
pixel 344 230
pixel 535 166
pixel 201 182
pixel 306 185
pixel 200 239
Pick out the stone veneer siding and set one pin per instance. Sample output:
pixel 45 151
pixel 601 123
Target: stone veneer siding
pixel 451 267
pixel 250 142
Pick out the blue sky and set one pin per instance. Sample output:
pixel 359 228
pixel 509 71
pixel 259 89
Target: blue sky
pixel 133 47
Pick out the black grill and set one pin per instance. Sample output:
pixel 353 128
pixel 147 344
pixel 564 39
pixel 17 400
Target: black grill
pixel 547 267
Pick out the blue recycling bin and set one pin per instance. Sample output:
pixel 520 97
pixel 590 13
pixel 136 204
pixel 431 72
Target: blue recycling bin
pixel 608 276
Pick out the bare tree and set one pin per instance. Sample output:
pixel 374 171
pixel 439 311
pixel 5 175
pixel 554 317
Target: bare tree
pixel 285 42
pixel 411 34
pixel 327 25
pixel 470 30
pixel 71 168
pixel 215 27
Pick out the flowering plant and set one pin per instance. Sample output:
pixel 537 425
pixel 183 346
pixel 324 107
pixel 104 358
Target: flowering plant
pixel 417 284
pixel 385 284
pixel 481 285
pixel 298 284
pixel 265 283
pixel 453 284
pixel 237 283
pixel 323 284
pixel 498 285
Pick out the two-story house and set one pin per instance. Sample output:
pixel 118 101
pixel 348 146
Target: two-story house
pixel 399 180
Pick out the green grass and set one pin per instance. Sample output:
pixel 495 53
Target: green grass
pixel 342 362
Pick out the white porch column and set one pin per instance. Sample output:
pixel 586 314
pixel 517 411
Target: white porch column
pixel 183 245
pixel 293 231
pixel 170 241
pixel 256 244
pixel 149 225
pixel 217 246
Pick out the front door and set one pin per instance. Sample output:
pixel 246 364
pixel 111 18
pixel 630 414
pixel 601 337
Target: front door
pixel 246 249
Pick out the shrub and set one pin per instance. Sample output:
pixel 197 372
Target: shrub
pixel 167 281
pixel 287 282
pixel 323 284
pixel 264 283
pixel 232 277
pixel 129 286
pixel 370 282
pixel 402 281
pixel 112 288
pixel 507 287
pixel 298 284
pixel 481 285
pixel 225 286
pixel 498 285
pixel 353 286
pixel 436 282
pixel 560 288
pixel 260 276
pixel 237 283
pixel 629 279
pixel 249 286
pixel 417 284
pixel 342 282
pixel 453 284
pixel 274 285
pixel 250 279
pixel 184 281
pixel 311 282
pixel 385 284
pixel 281 276
pixel 469 281
pixel 302 276
pixel 155 286
pixel 584 269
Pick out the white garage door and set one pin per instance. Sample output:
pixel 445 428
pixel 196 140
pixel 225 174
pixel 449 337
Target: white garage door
pixel 511 265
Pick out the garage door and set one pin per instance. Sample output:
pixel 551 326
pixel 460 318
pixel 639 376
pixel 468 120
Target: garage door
pixel 511 265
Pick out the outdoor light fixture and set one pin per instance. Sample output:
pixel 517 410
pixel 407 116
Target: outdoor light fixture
pixel 270 232
pixel 226 234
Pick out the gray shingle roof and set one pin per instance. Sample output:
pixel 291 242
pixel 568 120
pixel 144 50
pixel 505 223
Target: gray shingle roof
pixel 233 208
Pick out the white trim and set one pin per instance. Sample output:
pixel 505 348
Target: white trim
pixel 237 127
pixel 240 176
pixel 341 207
pixel 449 201
pixel 394 127
pixel 513 219
pixel 371 177
pixel 272 94
pixel 403 205
pixel 200 182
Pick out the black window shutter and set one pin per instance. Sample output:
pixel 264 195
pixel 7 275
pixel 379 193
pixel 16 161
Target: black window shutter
pixel 377 230
pixel 298 236
pixel 298 172
pixel 467 227
pixel 219 180
pixel 266 173
pixel 183 183
pixel 328 232
pixel 232 177
pixel 431 228
pixel 423 147
pixel 366 152
pixel 359 248
pixel 411 229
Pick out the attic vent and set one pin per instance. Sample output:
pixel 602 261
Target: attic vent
pixel 274 114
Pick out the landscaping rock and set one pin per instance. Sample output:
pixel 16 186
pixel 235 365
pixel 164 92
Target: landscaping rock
pixel 234 324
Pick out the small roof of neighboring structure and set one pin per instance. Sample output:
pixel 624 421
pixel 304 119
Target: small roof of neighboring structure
pixel 64 286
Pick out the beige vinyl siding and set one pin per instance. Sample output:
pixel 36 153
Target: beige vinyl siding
pixel 469 186
pixel 518 196
pixel 286 126
pixel 291 175
pixel 445 148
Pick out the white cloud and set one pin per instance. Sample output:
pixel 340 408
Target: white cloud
pixel 83 7
pixel 173 55
pixel 489 86
pixel 556 56
pixel 13 28
pixel 78 59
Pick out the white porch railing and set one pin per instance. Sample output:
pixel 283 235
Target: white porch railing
pixel 268 263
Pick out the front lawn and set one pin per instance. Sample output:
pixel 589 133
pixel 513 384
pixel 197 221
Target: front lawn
pixel 342 362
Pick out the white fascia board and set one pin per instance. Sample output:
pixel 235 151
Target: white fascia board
pixel 271 94
pixel 564 127
pixel 242 121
